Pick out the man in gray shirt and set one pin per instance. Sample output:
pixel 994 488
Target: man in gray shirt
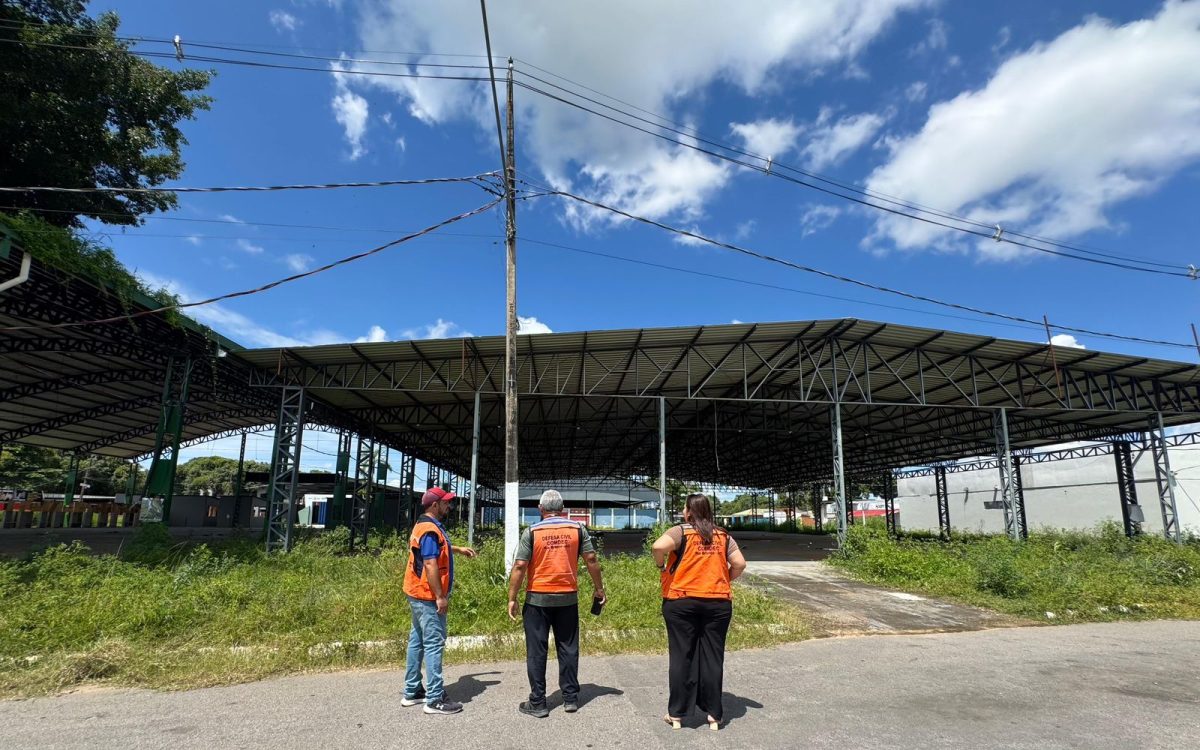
pixel 548 555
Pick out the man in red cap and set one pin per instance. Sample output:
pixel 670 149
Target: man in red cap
pixel 428 581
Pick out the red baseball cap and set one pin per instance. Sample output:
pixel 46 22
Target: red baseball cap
pixel 436 494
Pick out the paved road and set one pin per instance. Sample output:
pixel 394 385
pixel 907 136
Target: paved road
pixel 1127 685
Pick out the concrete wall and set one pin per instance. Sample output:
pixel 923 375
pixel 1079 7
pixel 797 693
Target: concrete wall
pixel 1076 494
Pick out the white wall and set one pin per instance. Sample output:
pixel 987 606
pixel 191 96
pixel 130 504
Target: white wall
pixel 1076 493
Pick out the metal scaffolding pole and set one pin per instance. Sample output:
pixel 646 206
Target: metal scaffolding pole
pixel 1164 480
pixel 889 503
pixel 285 469
pixel 1132 516
pixel 662 460
pixel 335 512
pixel 1023 523
pixel 839 473
pixel 237 482
pixel 1014 513
pixel 409 484
pixel 160 479
pixel 474 474
pixel 383 458
pixel 818 511
pixel 943 502
pixel 360 501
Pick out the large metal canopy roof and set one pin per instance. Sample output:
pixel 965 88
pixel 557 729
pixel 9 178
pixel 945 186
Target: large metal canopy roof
pixel 98 389
pixel 746 404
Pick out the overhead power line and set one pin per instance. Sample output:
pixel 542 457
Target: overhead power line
pixel 858 282
pixel 690 132
pixel 474 180
pixel 991 234
pixel 264 287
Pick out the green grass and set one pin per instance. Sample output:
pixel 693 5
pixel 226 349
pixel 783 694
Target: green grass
pixel 175 616
pixel 1075 576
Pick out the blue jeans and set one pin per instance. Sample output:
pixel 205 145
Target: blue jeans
pixel 426 641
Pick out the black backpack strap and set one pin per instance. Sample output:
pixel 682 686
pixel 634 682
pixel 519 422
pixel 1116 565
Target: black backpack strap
pixel 579 544
pixel 679 550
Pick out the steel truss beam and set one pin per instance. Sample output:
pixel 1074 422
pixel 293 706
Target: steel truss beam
pixel 1164 480
pixel 826 369
pixel 1022 519
pixel 360 501
pixel 889 503
pixel 285 469
pixel 943 502
pixel 1131 513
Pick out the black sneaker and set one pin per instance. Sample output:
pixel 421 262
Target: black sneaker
pixel 534 710
pixel 413 700
pixel 442 707
pixel 570 707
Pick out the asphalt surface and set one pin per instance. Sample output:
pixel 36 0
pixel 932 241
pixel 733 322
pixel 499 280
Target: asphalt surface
pixel 1124 685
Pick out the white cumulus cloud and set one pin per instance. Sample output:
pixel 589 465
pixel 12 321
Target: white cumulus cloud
pixel 298 262
pixel 817 216
pixel 250 247
pixel 1061 133
pixel 531 325
pixel 1066 340
pixel 767 138
pixel 833 140
pixel 351 111
pixel 442 329
pixel 657 55
pixel 283 21
pixel 374 335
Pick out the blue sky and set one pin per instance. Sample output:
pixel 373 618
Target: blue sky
pixel 1079 122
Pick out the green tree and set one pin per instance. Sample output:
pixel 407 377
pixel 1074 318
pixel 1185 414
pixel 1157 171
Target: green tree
pixel 81 110
pixel 27 467
pixel 215 474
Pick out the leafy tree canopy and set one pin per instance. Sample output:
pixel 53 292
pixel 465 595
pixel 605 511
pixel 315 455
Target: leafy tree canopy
pixel 81 110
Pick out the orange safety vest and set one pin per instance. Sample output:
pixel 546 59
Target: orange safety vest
pixel 415 584
pixel 554 567
pixel 699 570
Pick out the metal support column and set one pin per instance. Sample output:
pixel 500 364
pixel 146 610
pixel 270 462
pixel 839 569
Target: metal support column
pixel 383 458
pixel 943 501
pixel 360 501
pixel 817 509
pixel 889 502
pixel 285 469
pixel 1164 480
pixel 1132 516
pixel 160 479
pixel 335 513
pixel 237 482
pixel 839 473
pixel 662 460
pixel 474 474
pixel 1022 522
pixel 1014 512
pixel 409 486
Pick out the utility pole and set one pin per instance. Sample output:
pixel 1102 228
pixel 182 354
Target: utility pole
pixel 511 482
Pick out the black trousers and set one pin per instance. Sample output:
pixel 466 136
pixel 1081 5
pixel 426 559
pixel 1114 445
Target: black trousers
pixel 696 630
pixel 539 621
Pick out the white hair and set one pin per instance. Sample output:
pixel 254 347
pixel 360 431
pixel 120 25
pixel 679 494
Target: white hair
pixel 551 500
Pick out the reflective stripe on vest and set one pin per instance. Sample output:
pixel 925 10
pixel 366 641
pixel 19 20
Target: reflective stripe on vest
pixel 415 583
pixel 697 569
pixel 554 567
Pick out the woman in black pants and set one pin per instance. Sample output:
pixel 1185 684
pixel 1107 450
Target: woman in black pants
pixel 698 561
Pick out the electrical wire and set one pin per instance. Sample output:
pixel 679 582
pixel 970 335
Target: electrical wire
pixel 1114 260
pixel 264 287
pixel 857 282
pixel 861 201
pixel 474 180
pixel 776 287
pixel 690 132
